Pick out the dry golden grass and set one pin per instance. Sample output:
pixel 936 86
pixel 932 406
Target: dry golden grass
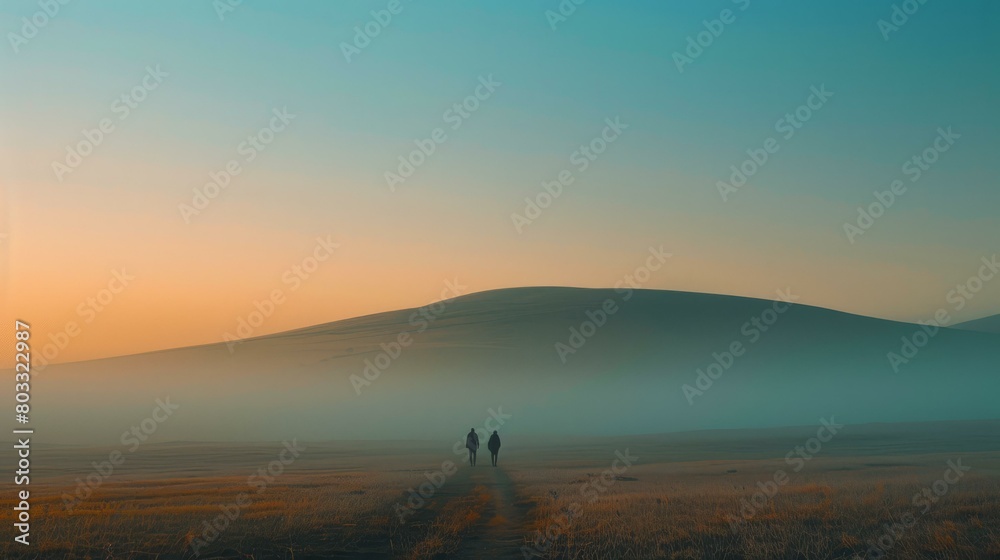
pixel 457 516
pixel 166 516
pixel 832 511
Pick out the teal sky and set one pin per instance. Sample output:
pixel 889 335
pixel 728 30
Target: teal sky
pixel 656 185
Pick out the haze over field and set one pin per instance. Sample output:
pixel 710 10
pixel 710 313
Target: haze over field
pixel 511 351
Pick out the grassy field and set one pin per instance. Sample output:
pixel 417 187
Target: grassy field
pixel 917 491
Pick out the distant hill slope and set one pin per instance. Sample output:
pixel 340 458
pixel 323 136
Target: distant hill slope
pixel 499 349
pixel 989 324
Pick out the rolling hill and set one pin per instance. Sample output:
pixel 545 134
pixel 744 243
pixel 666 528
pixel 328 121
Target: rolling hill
pixel 538 359
pixel 989 324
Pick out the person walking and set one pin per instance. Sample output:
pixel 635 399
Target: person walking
pixel 472 444
pixel 494 446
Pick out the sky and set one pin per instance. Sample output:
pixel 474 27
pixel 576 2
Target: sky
pixel 106 237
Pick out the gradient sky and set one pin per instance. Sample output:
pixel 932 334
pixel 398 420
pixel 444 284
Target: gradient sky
pixel 324 175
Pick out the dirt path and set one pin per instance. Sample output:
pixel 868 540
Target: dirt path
pixel 499 533
pixel 473 515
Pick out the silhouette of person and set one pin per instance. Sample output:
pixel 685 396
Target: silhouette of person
pixel 472 444
pixel 494 446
